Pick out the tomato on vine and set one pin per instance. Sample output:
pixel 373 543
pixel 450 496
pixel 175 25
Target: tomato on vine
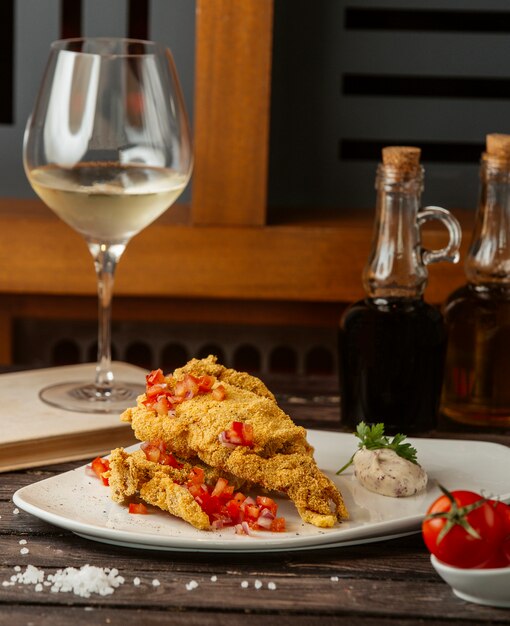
pixel 464 529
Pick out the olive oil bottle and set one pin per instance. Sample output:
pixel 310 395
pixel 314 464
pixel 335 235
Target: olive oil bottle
pixel 477 374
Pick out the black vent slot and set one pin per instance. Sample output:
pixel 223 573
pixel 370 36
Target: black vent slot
pixel 425 86
pixel 427 20
pixel 138 19
pixel 70 18
pixel 438 152
pixel 7 61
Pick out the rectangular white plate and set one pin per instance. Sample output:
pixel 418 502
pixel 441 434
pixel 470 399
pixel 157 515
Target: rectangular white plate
pixel 80 503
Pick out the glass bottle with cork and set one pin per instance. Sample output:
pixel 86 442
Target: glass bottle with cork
pixel 392 344
pixel 477 373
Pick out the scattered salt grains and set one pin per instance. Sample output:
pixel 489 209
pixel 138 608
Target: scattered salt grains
pixel 24 551
pixel 271 586
pixel 245 584
pixel 15 511
pixel 257 584
pixel 86 580
pixel 136 581
pixel 156 583
pixel 334 579
pixel 191 585
pixel 214 579
pixel 22 542
pixel 82 582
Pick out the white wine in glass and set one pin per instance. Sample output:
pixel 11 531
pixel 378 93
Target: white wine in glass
pixel 108 149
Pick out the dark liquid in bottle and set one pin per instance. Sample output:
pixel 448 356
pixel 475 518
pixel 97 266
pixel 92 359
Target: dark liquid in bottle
pixel 391 364
pixel 477 378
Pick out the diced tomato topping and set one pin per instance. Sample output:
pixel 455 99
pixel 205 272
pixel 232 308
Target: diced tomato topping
pixel 278 525
pixel 221 483
pixel 239 434
pixel 162 405
pixel 205 383
pixel 224 508
pixel 100 466
pixel 162 392
pixel 234 510
pixel 156 377
pixel 157 452
pixel 167 458
pixel 267 503
pixel 239 497
pixel 251 511
pixel 219 393
pixel 138 508
pixel 152 453
pixel 196 476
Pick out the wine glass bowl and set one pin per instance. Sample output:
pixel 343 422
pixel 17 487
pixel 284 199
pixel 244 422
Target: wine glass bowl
pixel 108 149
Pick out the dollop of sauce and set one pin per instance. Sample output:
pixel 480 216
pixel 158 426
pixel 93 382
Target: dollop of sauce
pixel 383 471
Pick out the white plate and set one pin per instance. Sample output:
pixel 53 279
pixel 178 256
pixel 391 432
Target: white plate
pixel 80 503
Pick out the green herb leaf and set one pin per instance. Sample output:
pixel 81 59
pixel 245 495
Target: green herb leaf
pixel 373 438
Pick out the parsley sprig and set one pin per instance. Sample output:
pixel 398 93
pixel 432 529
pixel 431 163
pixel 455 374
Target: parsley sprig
pixel 373 438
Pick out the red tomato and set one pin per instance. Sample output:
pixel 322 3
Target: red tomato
pixel 278 525
pixel 138 508
pixel 219 393
pixel 155 377
pixel 503 510
pixel 100 466
pixel 205 382
pixel 463 529
pixel 506 549
pixel 267 503
pixel 196 476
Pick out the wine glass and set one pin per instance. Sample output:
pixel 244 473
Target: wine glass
pixel 108 149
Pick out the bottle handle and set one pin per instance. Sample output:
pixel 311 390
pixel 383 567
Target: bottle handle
pixel 450 252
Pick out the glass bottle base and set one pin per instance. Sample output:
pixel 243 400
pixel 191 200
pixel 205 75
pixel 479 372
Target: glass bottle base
pixel 85 397
pixel 478 416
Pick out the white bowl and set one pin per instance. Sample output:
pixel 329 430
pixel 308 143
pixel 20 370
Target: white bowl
pixel 483 586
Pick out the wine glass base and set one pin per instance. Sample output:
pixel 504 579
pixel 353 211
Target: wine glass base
pixel 84 397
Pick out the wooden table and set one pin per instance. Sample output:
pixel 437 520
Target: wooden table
pixel 390 582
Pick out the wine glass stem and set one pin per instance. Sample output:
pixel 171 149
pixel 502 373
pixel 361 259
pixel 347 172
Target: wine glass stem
pixel 106 257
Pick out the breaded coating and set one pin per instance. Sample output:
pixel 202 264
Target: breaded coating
pixel 161 491
pixel 129 472
pixel 210 367
pixel 281 459
pixel 159 485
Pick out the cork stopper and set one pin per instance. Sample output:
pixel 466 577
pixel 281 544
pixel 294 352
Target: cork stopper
pixel 498 146
pixel 402 158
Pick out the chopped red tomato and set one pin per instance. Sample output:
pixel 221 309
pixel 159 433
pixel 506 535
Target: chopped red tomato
pixel 100 466
pixel 138 508
pixel 278 525
pixel 196 476
pixel 162 392
pixel 267 503
pixel 219 488
pixel 239 434
pixel 224 508
pixel 156 377
pixel 157 452
pixel 205 383
pixel 219 393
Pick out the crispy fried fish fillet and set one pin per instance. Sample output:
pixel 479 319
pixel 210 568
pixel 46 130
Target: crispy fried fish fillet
pixel 281 459
pixel 159 485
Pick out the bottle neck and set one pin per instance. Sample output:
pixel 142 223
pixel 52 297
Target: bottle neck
pixel 488 259
pixel 395 268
